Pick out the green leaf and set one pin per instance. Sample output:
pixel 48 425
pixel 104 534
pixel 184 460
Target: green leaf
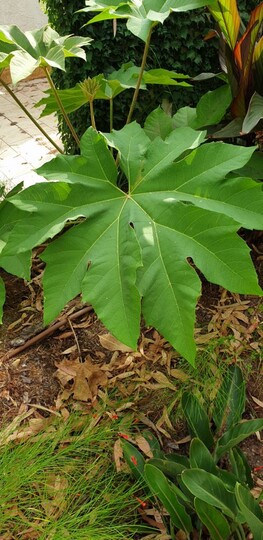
pixel 213 519
pixel 227 16
pixel 170 468
pixel 135 460
pixel 164 490
pixel 212 106
pixel 197 419
pixel 254 113
pixel 230 400
pixel 165 77
pixel 16 263
pixel 236 434
pixel 240 467
pixel 158 124
pixel 141 16
pixel 200 457
pixel 253 168
pixel 74 98
pixel 251 511
pixel 132 144
pixel 185 117
pixel 40 48
pixel 127 250
pixel 210 489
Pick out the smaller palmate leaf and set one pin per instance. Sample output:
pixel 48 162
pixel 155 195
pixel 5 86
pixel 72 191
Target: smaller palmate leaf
pixel 39 48
pixel 74 98
pixel 213 520
pixel 142 15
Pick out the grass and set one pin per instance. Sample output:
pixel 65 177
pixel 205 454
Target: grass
pixel 62 484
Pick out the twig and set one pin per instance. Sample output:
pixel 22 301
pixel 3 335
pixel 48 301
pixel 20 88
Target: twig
pixel 47 332
pixel 75 337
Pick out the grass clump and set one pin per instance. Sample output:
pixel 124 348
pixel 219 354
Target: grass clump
pixel 62 484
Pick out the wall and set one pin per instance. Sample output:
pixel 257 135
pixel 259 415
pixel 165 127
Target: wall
pixel 26 14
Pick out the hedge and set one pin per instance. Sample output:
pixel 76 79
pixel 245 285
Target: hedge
pixel 176 45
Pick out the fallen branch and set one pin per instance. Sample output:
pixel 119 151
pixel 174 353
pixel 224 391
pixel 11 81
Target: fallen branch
pixel 46 332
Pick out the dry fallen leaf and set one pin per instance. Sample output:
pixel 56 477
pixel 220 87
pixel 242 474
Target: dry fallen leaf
pixel 86 378
pixel 118 455
pixel 257 401
pixel 110 343
pixel 144 446
pixel 163 380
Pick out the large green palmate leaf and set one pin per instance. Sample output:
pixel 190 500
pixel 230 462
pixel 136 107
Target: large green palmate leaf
pixel 39 48
pixel 128 251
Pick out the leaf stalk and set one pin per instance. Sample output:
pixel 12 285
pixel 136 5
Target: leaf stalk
pixel 61 106
pixel 27 113
pixel 92 115
pixel 143 64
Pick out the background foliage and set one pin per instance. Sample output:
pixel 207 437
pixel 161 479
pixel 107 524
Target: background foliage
pixel 177 45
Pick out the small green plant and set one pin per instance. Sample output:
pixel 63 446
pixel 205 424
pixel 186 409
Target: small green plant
pixel 196 491
pixel 138 204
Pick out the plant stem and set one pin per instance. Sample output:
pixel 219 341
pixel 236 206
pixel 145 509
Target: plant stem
pixel 92 116
pixel 35 122
pixel 136 91
pixel 61 106
pixel 111 114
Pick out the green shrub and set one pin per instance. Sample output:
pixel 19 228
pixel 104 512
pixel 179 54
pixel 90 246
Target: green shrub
pixel 177 45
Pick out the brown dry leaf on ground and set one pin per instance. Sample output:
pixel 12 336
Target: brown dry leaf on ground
pixel 86 378
pixel 236 318
pixel 109 342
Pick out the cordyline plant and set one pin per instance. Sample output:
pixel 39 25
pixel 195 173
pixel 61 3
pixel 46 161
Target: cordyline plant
pixel 143 208
pixel 241 58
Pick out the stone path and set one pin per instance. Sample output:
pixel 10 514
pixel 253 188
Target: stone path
pixel 23 148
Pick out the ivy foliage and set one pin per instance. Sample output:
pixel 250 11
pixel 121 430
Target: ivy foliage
pixel 176 45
